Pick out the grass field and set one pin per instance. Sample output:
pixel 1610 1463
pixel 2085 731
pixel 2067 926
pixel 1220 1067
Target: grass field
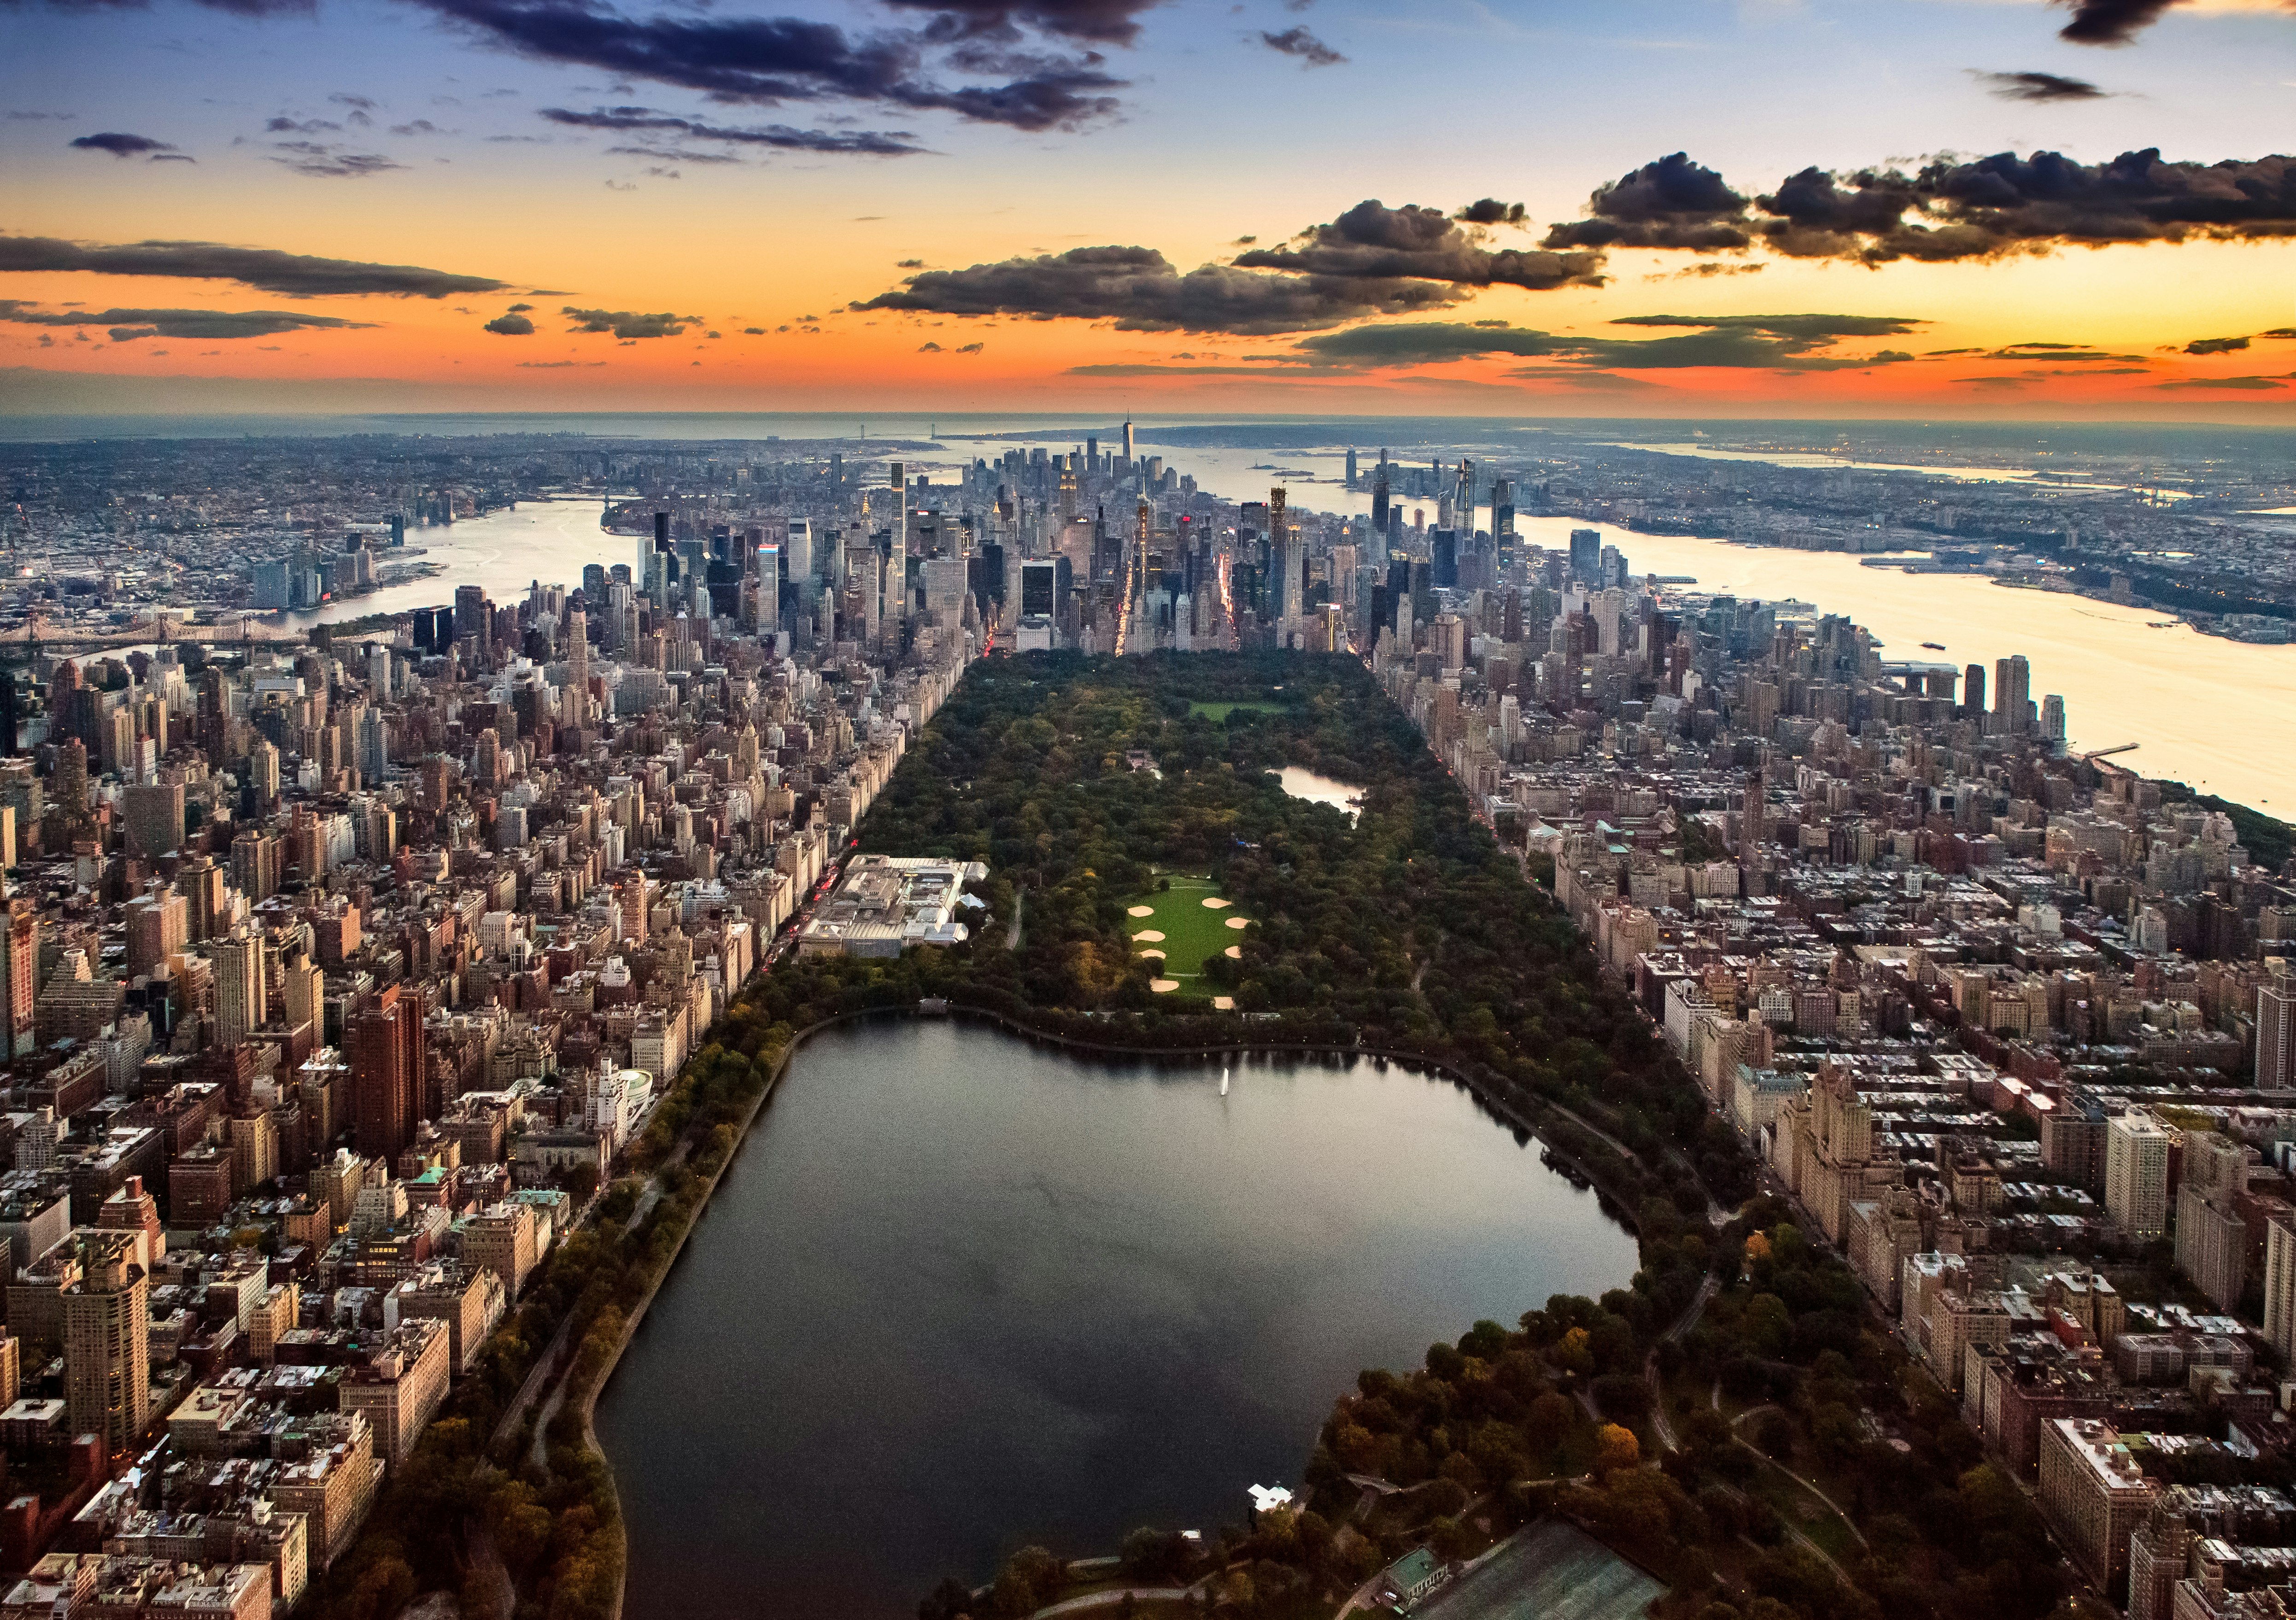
pixel 1192 930
pixel 1220 712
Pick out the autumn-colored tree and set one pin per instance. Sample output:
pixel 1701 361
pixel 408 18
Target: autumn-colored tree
pixel 1616 1448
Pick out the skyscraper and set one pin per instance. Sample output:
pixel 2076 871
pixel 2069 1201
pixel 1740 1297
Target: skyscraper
pixel 2136 1174
pixel 385 1056
pixel 20 987
pixel 374 747
pixel 107 1359
pixel 2280 1284
pixel 471 616
pixel 1972 691
pixel 239 1001
pixel 154 816
pixel 2012 682
pixel 2276 1036
pixel 1585 552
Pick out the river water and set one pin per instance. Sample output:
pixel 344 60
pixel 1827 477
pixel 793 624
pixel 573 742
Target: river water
pixel 2212 712
pixel 504 551
pixel 960 1293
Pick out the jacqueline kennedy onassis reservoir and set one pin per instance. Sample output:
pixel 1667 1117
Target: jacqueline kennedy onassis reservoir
pixel 960 1293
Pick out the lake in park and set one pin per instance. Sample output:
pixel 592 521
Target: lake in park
pixel 960 1293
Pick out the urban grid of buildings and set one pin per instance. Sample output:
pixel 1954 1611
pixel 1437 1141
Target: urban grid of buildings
pixel 1999 1019
pixel 335 976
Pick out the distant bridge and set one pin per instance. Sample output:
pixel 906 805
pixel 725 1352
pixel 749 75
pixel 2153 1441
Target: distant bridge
pixel 25 639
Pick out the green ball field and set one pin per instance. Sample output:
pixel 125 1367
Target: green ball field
pixel 1192 930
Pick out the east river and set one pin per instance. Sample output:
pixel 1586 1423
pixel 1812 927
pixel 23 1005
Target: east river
pixel 504 551
pixel 960 1293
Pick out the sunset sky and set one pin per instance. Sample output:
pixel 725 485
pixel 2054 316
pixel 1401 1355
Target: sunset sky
pixel 681 204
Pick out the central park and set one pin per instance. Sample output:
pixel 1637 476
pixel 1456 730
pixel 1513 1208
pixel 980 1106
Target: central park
pixel 1699 1420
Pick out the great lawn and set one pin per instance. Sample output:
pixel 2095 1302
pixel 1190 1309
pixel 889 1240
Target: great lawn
pixel 1192 929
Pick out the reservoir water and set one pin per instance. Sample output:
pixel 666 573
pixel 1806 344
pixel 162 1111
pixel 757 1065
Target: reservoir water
pixel 1301 783
pixel 959 1294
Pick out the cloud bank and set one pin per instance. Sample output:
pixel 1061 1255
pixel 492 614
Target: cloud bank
pixel 1140 291
pixel 268 269
pixel 201 324
pixel 1947 209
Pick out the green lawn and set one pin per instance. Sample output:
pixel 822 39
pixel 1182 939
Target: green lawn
pixel 1220 712
pixel 1192 930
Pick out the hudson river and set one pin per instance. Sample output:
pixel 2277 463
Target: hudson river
pixel 960 1293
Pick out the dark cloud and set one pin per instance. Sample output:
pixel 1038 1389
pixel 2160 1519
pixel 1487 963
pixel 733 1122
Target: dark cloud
pixel 324 162
pixel 196 324
pixel 1949 209
pixel 671 154
pixel 121 145
pixel 2109 21
pixel 237 8
pixel 1300 43
pixel 1372 240
pixel 1779 342
pixel 284 125
pixel 1490 210
pixel 2245 384
pixel 1429 343
pixel 1099 22
pixel 972 348
pixel 422 126
pixel 1736 346
pixel 1673 203
pixel 2215 345
pixel 555 364
pixel 624 325
pixel 2056 352
pixel 1706 269
pixel 1139 290
pixel 881 143
pixel 268 269
pixel 512 325
pixel 2040 87
pixel 753 331
pixel 768 61
pixel 1139 368
pixel 1787 326
pixel 928 349
pixel 519 308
